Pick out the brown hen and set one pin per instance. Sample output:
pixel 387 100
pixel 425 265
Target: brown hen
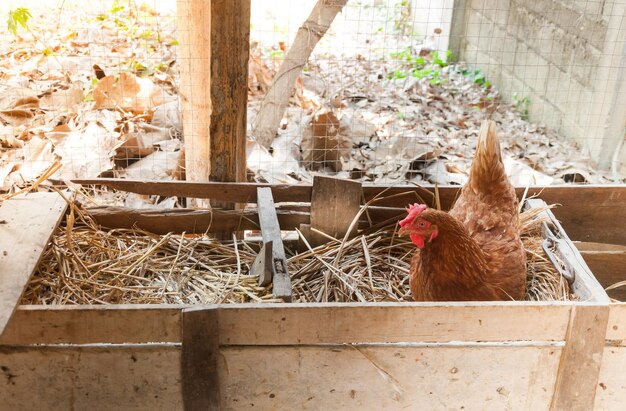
pixel 474 252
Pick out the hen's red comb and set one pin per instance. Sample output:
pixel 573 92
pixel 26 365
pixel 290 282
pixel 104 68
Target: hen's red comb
pixel 414 210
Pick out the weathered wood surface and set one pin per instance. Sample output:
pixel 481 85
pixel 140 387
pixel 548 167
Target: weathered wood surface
pixel 200 349
pixel 194 62
pixel 585 285
pixel 616 329
pixel 334 205
pixel 27 222
pixel 189 221
pixel 580 362
pixel 230 49
pixel 317 323
pixel 270 231
pixel 388 377
pixel 94 324
pixel 608 264
pixel 301 323
pixel 127 377
pixel 584 210
pixel 611 387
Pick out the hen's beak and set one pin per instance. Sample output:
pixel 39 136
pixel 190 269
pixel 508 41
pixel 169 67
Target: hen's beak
pixel 403 231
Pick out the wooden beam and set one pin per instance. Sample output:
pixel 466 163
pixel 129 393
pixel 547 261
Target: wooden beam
pixel 334 204
pixel 27 222
pixel 331 323
pixel 230 50
pixel 194 62
pixel 607 262
pixel 583 220
pixel 228 192
pixel 270 231
pixel 94 324
pixel 188 221
pixel 579 368
pixel 199 369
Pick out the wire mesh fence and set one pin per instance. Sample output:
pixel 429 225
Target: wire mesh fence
pixel 392 92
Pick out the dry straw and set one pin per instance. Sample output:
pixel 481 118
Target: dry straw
pixel 85 264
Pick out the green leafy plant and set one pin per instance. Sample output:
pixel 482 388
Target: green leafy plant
pixel 522 105
pixel 18 17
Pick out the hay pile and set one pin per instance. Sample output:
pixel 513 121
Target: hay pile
pixel 87 265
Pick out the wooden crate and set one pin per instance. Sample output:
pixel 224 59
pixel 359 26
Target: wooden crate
pixel 492 355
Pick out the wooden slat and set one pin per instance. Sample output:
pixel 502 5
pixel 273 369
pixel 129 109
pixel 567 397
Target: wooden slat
pixel 334 205
pixel 26 224
pixel 284 324
pixel 200 378
pixel 585 284
pixel 608 264
pixel 583 220
pixel 234 192
pixel 270 230
pixel 94 324
pixel 189 221
pixel 388 378
pixel 579 368
pixel 128 377
pixel 616 329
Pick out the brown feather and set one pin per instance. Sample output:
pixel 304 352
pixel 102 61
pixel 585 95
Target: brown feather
pixel 478 254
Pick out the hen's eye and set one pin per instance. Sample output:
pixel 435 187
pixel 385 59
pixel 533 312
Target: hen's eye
pixel 420 224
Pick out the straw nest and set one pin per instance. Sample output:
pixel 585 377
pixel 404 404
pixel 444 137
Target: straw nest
pixel 87 265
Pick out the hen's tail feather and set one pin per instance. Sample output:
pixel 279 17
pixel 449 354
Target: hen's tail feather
pixel 487 166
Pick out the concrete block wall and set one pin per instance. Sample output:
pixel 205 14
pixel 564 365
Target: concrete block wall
pixel 566 57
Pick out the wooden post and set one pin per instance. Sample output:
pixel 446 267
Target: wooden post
pixel 230 52
pixel 581 358
pixel 200 349
pixel 214 52
pixel 194 59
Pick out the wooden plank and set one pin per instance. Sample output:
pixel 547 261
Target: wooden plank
pixel 94 324
pixel 611 387
pixel 608 264
pixel 233 192
pixel 585 285
pixel 270 231
pixel 27 223
pixel 188 221
pixel 263 266
pixel 581 359
pixel 616 329
pixel 127 377
pixel 194 58
pixel 340 377
pixel 200 378
pixel 335 203
pixel 319 323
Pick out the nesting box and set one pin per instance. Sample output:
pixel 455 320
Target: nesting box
pixel 471 355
